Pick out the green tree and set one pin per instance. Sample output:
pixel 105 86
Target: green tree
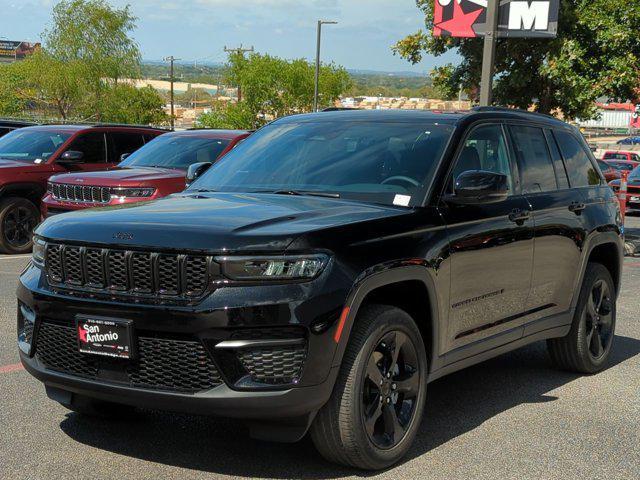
pixel 596 54
pixel 273 87
pixel 124 103
pixel 11 101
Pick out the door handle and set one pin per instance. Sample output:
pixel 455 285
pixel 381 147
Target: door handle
pixel 519 216
pixel 577 207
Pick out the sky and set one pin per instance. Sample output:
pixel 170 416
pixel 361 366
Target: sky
pixel 199 29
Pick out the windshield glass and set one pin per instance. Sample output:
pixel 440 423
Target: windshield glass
pixel 635 173
pixel 176 151
pixel 34 146
pixel 380 162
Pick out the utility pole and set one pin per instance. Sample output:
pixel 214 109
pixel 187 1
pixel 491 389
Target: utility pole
pixel 239 51
pixel 171 59
pixel 489 53
pixel 317 80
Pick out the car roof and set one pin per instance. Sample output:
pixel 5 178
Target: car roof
pixel 431 116
pixel 209 133
pixel 71 128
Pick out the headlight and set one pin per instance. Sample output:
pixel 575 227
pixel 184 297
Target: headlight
pixel 132 192
pixel 39 247
pixel 299 267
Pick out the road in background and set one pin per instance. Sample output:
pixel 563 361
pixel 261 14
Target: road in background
pixel 510 417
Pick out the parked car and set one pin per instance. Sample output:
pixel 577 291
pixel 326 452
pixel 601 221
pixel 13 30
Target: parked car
pixel 7 126
pixel 629 141
pixel 156 170
pixel 323 272
pixel 622 158
pixel 30 155
pixel 609 172
pixel 633 189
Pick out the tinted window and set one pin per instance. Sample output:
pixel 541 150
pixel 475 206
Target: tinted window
pixel 579 167
pixel 615 156
pixel 484 149
pixel 381 162
pixel 31 145
pixel 4 131
pixel 122 143
pixel 93 147
pixel 561 173
pixel 177 151
pixel 534 161
pixel 148 137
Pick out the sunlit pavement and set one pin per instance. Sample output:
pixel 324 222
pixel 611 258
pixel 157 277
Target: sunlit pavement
pixel 511 417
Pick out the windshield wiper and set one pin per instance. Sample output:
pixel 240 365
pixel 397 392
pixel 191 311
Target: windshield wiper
pixel 311 193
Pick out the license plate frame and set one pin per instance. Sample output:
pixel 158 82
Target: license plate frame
pixel 105 337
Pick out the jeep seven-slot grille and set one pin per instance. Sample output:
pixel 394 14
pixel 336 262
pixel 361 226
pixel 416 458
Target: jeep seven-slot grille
pixel 128 272
pixel 80 193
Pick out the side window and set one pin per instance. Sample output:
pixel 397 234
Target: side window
pixel 534 162
pixel 4 131
pixel 147 137
pixel 484 149
pixel 558 164
pixel 93 147
pixel 122 143
pixel 579 167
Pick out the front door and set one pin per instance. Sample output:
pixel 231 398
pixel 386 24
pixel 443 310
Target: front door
pixel 491 249
pixel 94 148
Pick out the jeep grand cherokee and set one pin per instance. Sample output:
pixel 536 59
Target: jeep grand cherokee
pixel 325 271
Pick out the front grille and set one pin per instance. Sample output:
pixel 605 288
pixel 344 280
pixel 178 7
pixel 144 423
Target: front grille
pixel 80 193
pixel 123 272
pixel 161 364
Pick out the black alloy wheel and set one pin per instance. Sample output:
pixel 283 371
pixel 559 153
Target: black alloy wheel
pixel 18 226
pixel 586 348
pixel 18 219
pixel 391 388
pixel 599 320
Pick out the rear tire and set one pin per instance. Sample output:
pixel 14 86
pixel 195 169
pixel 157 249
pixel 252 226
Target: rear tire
pixel 376 406
pixel 587 347
pixel 18 219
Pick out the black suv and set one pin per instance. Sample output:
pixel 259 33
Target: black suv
pixel 326 270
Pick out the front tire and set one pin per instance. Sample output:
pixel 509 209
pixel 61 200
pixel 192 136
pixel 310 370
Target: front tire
pixel 376 406
pixel 587 347
pixel 18 219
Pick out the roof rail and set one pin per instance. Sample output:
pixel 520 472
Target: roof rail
pixel 515 110
pixel 338 109
pixel 119 125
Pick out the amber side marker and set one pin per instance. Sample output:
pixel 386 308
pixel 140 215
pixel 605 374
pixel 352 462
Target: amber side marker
pixel 343 318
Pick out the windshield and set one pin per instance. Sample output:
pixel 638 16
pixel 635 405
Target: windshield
pixel 34 146
pixel 380 162
pixel 635 173
pixel 176 151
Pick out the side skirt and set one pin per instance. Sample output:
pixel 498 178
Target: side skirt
pixel 549 327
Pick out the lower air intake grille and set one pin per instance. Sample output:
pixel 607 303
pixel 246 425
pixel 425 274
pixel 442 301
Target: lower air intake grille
pixel 162 364
pixel 274 365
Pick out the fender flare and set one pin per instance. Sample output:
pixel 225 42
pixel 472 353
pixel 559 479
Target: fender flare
pixel 30 187
pixel 381 279
pixel 593 241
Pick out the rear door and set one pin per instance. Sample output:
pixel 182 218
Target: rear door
pixel 123 143
pixel 556 217
pixel 490 250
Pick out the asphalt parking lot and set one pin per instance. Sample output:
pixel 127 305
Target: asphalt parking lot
pixel 511 417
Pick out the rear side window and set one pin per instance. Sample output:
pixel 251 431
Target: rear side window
pixel 4 131
pixel 561 172
pixel 148 137
pixel 579 167
pixel 122 143
pixel 92 145
pixel 534 161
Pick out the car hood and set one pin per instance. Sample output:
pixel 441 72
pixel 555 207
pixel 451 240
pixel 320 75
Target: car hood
pixel 7 164
pixel 632 181
pixel 120 176
pixel 220 222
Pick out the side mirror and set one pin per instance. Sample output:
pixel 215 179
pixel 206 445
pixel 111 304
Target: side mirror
pixel 196 170
pixel 479 186
pixel 124 156
pixel 71 157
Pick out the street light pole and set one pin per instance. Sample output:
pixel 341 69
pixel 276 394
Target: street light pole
pixel 317 80
pixel 489 53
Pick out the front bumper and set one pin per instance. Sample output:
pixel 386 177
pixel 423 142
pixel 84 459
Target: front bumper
pixel 242 389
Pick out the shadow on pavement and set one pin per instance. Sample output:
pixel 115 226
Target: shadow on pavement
pixel 456 404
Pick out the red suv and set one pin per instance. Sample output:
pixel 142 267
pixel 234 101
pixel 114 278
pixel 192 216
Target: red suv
pixel 30 155
pixel 156 170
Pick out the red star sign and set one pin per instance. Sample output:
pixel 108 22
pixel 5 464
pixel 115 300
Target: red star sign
pixel 461 24
pixel 82 333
